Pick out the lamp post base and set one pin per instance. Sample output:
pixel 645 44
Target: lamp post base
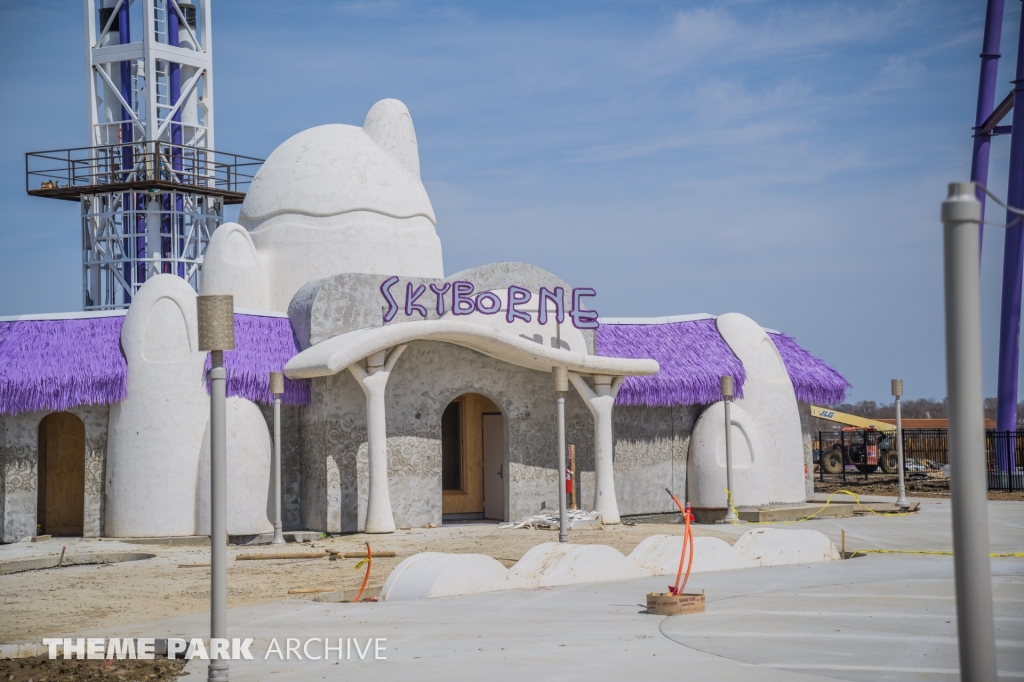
pixel 278 536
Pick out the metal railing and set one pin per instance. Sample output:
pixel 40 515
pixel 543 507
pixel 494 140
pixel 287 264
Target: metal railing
pixel 139 166
pixel 862 453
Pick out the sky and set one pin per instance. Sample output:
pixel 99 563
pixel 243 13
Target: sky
pixel 785 160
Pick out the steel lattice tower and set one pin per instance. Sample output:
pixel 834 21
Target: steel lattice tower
pixel 151 187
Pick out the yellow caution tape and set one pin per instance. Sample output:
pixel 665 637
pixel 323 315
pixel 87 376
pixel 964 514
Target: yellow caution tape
pixel 856 499
pixel 927 551
pixel 361 563
pixel 735 516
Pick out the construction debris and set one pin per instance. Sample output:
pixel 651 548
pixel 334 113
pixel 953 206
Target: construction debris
pixel 362 555
pixel 577 519
pixel 283 555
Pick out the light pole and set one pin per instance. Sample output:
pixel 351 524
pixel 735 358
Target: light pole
pixel 897 391
pixel 216 316
pixel 726 387
pixel 277 388
pixel 561 376
pixel 961 220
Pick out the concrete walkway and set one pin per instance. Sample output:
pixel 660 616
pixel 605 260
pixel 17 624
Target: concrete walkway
pixel 877 617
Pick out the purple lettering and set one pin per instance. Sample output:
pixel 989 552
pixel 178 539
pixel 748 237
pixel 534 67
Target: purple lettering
pixel 439 297
pixel 487 303
pixel 462 298
pixel 582 319
pixel 517 296
pixel 411 296
pixel 557 297
pixel 385 289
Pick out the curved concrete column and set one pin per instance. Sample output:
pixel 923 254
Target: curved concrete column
pixel 600 400
pixel 373 380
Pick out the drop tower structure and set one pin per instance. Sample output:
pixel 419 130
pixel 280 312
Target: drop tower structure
pixel 151 187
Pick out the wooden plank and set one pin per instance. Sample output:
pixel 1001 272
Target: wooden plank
pixel 283 555
pixel 362 555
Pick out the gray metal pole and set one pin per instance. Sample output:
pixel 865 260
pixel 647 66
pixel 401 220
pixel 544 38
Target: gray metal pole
pixel 961 218
pixel 730 514
pixel 897 391
pixel 727 390
pixel 563 521
pixel 216 318
pixel 218 668
pixel 561 377
pixel 278 535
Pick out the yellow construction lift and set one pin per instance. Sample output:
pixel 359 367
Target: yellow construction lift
pixel 865 443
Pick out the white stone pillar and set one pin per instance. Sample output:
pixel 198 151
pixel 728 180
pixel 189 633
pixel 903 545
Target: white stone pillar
pixel 600 400
pixel 373 380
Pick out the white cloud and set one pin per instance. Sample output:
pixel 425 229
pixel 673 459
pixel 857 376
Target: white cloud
pixel 899 73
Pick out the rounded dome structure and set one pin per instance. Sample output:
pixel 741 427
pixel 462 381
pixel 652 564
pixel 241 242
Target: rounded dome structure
pixel 334 169
pixel 342 199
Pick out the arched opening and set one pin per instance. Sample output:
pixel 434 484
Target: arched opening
pixel 473 459
pixel 60 509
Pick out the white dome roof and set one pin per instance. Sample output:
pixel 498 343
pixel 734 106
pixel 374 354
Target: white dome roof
pixel 334 169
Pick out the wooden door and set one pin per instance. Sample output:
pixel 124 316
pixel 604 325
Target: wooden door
pixel 468 497
pixel 61 504
pixel 494 466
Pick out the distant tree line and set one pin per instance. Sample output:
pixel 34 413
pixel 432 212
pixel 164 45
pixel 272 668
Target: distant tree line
pixel 923 408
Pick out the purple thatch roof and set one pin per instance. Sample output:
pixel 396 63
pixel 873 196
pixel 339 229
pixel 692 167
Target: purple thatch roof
pixel 54 365
pixel 813 380
pixel 692 355
pixel 262 345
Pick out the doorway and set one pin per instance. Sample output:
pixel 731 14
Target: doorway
pixel 60 509
pixel 473 459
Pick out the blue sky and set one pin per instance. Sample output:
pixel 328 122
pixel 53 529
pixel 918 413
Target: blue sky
pixel 785 160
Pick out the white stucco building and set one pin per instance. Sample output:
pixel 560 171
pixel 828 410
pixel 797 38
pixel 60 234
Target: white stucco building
pixel 412 396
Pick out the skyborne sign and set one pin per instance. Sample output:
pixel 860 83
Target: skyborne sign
pixel 459 298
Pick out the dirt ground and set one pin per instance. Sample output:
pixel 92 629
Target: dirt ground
pixel 884 484
pixel 75 599
pixel 42 669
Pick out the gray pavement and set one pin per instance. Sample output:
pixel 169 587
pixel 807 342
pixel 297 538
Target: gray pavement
pixel 877 617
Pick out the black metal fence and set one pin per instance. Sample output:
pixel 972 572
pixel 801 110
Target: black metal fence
pixel 141 166
pixel 862 452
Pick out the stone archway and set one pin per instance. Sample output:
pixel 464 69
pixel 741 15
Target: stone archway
pixel 60 508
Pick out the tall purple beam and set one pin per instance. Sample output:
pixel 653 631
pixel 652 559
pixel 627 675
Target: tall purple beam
pixel 174 77
pixel 986 96
pixel 125 37
pixel 1013 263
pixel 174 80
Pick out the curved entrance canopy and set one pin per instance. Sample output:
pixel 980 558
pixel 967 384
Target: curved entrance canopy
pixel 335 354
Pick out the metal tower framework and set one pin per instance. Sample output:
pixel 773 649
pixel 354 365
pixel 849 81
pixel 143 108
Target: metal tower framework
pixel 151 187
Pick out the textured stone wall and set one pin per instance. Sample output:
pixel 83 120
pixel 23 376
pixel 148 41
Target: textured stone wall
pixel 291 462
pixel 19 450
pixel 650 444
pixel 428 376
pixel 808 433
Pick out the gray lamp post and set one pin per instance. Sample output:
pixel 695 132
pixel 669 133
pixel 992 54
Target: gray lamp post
pixel 561 376
pixel 277 388
pixel 968 479
pixel 216 316
pixel 897 392
pixel 727 393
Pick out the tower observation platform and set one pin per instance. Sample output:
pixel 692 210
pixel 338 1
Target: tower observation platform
pixel 151 186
